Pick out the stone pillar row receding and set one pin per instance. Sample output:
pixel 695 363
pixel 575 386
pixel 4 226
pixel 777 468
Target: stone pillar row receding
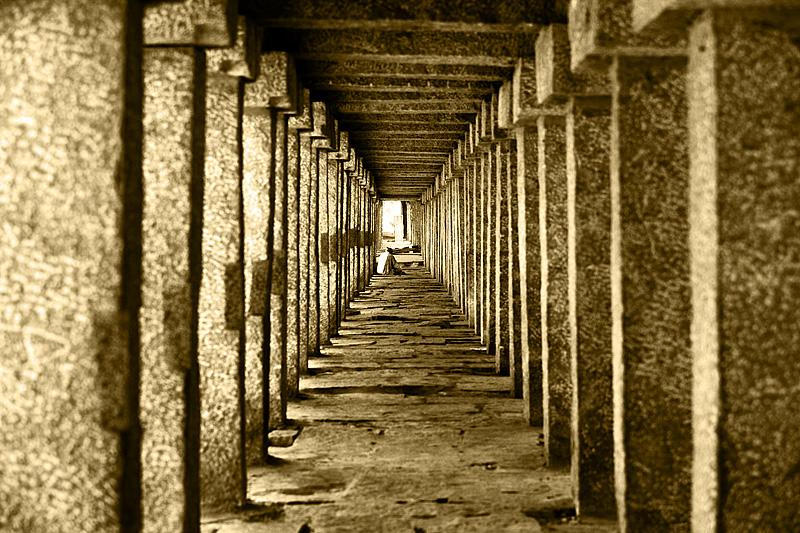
pixel 183 227
pixel 615 224
pixel 165 228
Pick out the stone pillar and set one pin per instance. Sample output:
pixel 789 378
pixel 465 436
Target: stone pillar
pixel 265 288
pixel 221 332
pixel 649 264
pixel 556 384
pixel 278 69
pixel 324 125
pixel 503 159
pixel 70 260
pixel 525 115
pixel 588 287
pixel 174 142
pixel 742 91
pixel 304 232
pixel 295 296
pixel 505 121
pixel 256 190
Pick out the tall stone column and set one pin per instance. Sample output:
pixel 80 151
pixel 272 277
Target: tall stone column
pixel 526 113
pixel 296 298
pixel 264 168
pixel 70 265
pixel 323 123
pixel 588 254
pixel 649 264
pixel 278 69
pixel 556 384
pixel 174 68
pixel 305 237
pixel 221 332
pixel 501 243
pixel 488 192
pixel 505 121
pixel 742 91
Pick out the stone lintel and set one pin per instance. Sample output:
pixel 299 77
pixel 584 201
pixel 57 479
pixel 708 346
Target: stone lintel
pixel 555 81
pixel 242 58
pixel 599 29
pixel 205 23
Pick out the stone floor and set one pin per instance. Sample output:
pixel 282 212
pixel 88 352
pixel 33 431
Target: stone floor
pixel 405 427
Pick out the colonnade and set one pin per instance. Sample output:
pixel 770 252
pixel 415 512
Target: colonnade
pixel 617 224
pixel 182 227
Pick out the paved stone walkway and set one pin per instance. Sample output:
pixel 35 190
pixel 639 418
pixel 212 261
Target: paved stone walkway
pixel 406 428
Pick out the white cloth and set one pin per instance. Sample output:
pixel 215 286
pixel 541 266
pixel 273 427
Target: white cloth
pixel 385 264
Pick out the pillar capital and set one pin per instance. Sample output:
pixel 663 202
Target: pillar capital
pixel 241 60
pixel 302 120
pixel 276 87
pixel 343 151
pixel 323 130
pixel 205 23
pixel 555 81
pixel 526 108
pixel 599 29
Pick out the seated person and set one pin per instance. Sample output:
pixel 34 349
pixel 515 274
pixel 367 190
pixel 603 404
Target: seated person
pixel 387 264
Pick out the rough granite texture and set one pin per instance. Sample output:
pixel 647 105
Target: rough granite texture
pixel 64 362
pixel 333 168
pixel 748 72
pixel 514 298
pixel 472 200
pixel 191 23
pixel 555 79
pixel 502 158
pixel 557 385
pixel 529 272
pixel 293 260
pixel 304 298
pixel 221 311
pixel 490 188
pixel 651 308
pixel 313 252
pixel 600 28
pixel 323 246
pixel 278 313
pixel 256 188
pixel 588 143
pixel 174 131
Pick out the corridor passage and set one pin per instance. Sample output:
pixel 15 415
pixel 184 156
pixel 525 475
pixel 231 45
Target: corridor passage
pixel 406 427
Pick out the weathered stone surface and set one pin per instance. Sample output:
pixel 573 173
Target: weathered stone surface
pixel 589 216
pixel 221 308
pixel 599 29
pixel 191 23
pixel 277 385
pixel 529 272
pixel 257 163
pixel 556 387
pixel 174 135
pixel 514 297
pixel 242 58
pixel 525 106
pixel 503 158
pixel 676 15
pixel 555 81
pixel 743 92
pixel 650 293
pixel 70 141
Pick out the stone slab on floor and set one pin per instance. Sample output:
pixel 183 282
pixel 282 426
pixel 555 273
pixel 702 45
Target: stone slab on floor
pixel 419 439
